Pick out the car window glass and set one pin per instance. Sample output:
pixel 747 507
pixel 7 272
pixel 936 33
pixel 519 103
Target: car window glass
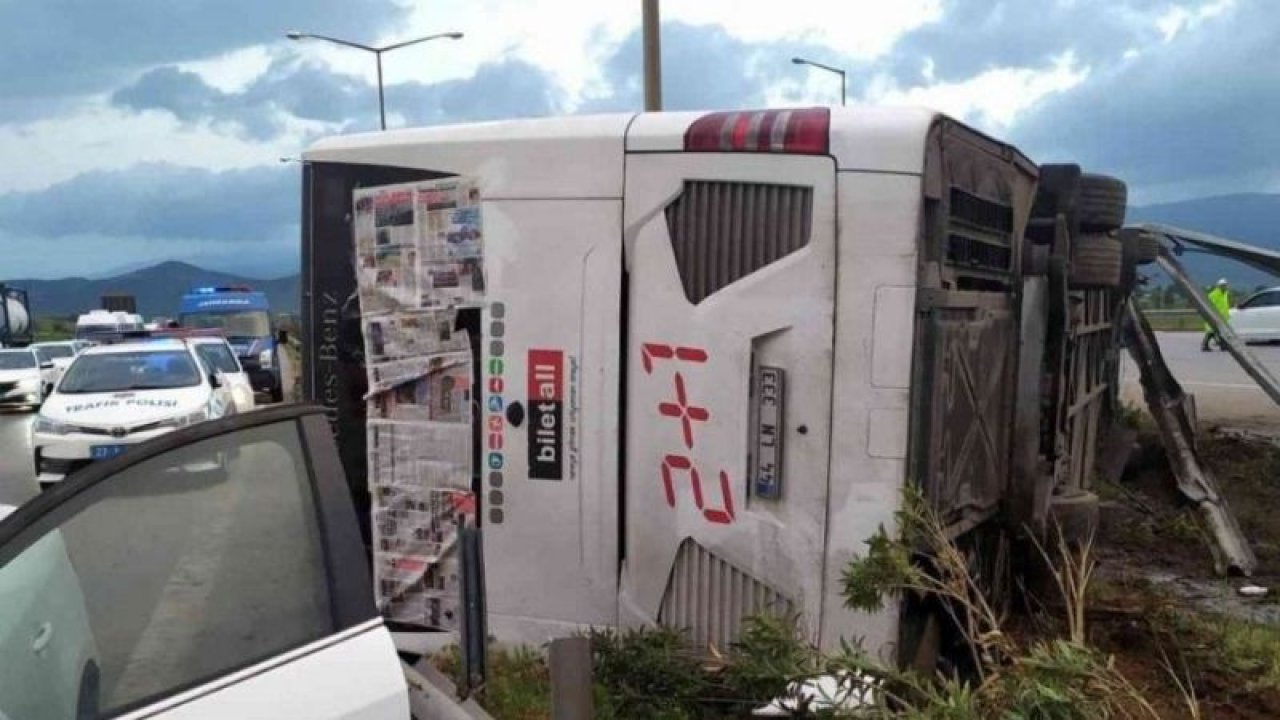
pixel 185 567
pixel 206 364
pixel 219 357
pixel 1261 300
pixel 17 360
pixel 140 370
pixel 243 324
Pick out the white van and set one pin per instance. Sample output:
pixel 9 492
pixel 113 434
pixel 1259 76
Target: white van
pixel 754 328
pixel 107 326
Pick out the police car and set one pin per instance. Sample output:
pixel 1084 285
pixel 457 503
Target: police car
pixel 115 396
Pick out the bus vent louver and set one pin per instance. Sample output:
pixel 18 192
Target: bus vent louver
pixel 709 597
pixel 723 231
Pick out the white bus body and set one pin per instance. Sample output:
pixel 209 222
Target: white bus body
pixel 758 326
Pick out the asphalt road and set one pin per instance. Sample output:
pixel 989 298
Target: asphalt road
pixel 1223 392
pixel 17 476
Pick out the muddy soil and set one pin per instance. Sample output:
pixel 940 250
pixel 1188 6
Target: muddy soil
pixel 1158 605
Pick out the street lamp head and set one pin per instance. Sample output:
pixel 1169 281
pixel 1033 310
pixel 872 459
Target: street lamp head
pixel 295 35
pixel 454 35
pixel 799 61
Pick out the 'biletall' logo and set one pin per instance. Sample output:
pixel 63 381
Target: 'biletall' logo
pixel 546 414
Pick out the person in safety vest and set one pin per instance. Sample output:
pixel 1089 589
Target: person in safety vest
pixel 1220 299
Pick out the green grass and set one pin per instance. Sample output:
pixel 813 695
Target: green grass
pixel 1251 648
pixel 518 686
pixel 51 328
pixel 1175 321
pixel 1248 652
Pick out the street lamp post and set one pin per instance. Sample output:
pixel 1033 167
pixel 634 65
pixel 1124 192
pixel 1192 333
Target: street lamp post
pixel 828 68
pixel 377 52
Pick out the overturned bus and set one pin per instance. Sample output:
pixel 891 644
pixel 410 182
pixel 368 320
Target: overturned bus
pixel 708 351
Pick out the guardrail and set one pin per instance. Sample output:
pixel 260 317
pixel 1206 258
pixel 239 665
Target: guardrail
pixel 1174 319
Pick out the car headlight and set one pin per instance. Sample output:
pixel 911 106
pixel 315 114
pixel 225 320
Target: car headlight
pixel 184 420
pixel 264 358
pixel 50 426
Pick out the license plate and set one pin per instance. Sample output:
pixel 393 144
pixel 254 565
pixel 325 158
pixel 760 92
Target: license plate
pixel 770 399
pixel 106 452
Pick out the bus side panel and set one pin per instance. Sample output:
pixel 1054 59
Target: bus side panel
pixel 550 415
pixel 876 277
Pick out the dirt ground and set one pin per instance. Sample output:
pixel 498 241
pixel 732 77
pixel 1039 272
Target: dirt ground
pixel 1161 610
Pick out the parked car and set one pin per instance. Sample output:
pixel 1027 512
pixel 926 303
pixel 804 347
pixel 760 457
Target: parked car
pixel 131 592
pixel 219 357
pixel 45 608
pixel 25 378
pixel 59 353
pixel 115 396
pixel 1257 319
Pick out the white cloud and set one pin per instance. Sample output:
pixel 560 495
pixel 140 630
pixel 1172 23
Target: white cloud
pixel 993 99
pixel 96 135
pixel 233 71
pixel 863 29
pixel 1181 18
pixel 568 37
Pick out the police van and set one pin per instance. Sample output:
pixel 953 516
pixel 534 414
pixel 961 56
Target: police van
pixel 244 317
pixel 114 396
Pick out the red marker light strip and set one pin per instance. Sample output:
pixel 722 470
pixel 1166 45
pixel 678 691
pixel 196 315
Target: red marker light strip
pixel 801 132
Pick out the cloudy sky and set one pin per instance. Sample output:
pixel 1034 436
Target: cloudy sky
pixel 139 130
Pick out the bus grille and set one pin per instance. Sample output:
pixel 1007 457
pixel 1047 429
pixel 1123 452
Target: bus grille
pixel 709 597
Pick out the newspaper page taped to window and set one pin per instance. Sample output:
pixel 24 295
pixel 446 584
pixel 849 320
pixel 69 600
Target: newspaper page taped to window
pixel 420 258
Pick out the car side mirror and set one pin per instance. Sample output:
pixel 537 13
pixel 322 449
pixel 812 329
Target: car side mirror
pixel 282 337
pixel 214 382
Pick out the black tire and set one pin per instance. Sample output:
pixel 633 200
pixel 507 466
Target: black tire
pixel 277 393
pixel 1100 206
pixel 1097 261
pixel 1148 248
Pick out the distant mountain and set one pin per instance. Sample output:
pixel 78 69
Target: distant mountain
pixel 158 288
pixel 1250 218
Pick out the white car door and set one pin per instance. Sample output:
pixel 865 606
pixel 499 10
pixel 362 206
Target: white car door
pixel 221 386
pixel 49 373
pixel 236 392
pixel 1258 318
pixel 143 590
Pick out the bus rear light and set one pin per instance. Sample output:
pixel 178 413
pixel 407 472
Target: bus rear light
pixel 805 132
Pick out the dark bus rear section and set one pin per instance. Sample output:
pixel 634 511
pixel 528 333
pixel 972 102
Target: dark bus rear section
pixel 333 370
